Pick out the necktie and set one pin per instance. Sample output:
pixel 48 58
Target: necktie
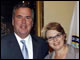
pixel 24 50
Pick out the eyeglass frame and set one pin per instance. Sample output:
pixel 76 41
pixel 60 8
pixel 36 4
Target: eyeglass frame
pixel 57 36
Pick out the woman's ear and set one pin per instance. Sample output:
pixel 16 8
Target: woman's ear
pixel 64 36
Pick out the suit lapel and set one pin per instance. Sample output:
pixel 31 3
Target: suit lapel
pixel 35 48
pixel 15 49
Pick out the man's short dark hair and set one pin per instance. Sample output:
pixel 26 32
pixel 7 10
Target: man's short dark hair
pixel 22 5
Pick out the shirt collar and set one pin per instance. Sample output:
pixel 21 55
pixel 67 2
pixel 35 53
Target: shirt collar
pixel 19 38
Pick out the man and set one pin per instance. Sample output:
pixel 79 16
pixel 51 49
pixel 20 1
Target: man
pixel 11 45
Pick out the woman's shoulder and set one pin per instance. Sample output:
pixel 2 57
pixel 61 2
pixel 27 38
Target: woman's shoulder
pixel 72 48
pixel 74 51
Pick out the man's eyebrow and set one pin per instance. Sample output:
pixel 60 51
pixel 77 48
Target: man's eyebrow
pixel 18 15
pixel 28 16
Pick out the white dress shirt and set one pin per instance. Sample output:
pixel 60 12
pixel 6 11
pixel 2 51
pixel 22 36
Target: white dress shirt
pixel 29 45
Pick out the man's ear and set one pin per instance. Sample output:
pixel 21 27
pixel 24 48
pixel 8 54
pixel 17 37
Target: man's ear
pixel 12 21
pixel 32 24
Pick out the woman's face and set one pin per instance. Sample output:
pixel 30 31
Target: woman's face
pixel 55 39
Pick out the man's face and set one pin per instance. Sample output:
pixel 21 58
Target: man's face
pixel 22 22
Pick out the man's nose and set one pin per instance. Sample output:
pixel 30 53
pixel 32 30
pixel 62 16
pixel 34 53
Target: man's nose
pixel 23 20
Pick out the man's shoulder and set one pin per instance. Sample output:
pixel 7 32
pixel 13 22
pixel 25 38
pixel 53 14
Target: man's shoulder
pixel 7 37
pixel 5 40
pixel 38 38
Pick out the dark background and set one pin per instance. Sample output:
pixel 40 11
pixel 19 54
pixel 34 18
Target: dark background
pixel 6 9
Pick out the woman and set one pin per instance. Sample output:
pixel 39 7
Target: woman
pixel 56 38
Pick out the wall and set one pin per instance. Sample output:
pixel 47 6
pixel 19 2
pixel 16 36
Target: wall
pixel 59 11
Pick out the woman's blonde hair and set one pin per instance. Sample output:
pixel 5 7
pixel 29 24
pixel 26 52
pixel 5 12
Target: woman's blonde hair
pixel 52 26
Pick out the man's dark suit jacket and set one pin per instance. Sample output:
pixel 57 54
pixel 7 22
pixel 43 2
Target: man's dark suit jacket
pixel 11 50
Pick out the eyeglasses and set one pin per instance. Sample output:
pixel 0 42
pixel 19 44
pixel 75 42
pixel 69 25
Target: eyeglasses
pixel 57 36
